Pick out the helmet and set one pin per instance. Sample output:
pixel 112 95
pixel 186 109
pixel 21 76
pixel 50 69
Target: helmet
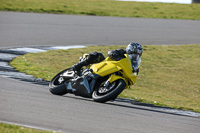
pixel 134 48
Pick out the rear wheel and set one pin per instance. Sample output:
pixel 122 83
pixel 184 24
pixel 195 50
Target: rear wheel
pixel 59 90
pixel 57 84
pixel 103 94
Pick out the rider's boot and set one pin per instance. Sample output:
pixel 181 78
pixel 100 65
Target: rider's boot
pixel 77 67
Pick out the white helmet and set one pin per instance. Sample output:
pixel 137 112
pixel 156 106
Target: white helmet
pixel 134 48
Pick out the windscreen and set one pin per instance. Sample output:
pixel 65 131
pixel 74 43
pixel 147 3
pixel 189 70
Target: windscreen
pixel 135 61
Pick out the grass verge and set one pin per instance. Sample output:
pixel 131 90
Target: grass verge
pixel 8 128
pixel 169 74
pixel 105 8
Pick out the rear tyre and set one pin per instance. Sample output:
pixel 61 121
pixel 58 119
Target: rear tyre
pixel 59 90
pixel 57 86
pixel 55 80
pixel 103 94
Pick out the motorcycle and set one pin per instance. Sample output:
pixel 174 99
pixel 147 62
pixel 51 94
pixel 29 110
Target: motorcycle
pixel 102 81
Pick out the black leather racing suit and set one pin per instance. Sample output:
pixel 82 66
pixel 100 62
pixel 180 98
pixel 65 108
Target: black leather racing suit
pixel 97 57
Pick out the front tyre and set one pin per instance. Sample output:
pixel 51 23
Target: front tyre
pixel 103 94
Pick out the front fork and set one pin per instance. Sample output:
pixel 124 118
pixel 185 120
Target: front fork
pixel 113 78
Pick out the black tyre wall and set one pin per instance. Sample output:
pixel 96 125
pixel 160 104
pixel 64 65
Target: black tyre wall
pixel 111 95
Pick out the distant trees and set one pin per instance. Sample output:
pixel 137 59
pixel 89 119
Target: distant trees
pixel 195 1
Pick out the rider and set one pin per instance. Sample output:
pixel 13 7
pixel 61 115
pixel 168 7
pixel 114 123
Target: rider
pixel 134 50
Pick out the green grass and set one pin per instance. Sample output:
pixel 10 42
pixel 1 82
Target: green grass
pixel 105 8
pixel 8 128
pixel 169 75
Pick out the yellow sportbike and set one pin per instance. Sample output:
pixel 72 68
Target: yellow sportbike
pixel 102 81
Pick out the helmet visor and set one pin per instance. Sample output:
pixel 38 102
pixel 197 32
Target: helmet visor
pixel 134 57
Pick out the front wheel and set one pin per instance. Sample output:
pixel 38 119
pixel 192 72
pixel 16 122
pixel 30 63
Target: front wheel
pixel 103 94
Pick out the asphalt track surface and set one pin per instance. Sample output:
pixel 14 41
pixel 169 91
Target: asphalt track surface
pixel 32 104
pixel 28 29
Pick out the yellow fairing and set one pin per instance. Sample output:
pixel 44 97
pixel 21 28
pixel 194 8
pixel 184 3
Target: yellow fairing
pixel 116 77
pixel 108 67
